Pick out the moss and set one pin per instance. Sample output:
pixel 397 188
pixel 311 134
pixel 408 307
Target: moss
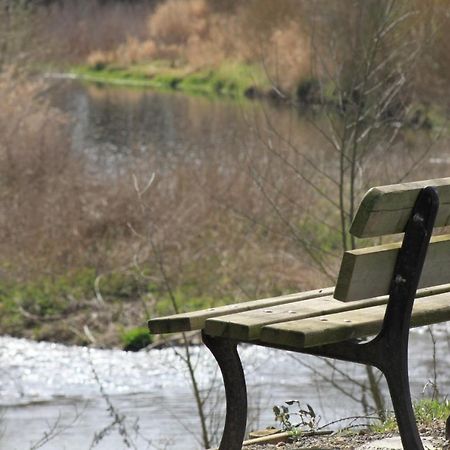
pixel 57 307
pixel 48 296
pixel 122 285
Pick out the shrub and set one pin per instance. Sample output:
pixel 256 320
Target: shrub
pixel 136 339
pixel 176 21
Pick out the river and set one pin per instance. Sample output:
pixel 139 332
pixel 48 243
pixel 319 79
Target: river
pixel 76 393
pixel 46 386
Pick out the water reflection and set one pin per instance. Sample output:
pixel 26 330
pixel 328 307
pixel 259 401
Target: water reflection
pixel 119 127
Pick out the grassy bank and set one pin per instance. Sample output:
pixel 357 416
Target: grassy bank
pixel 238 81
pixel 231 79
pixel 82 307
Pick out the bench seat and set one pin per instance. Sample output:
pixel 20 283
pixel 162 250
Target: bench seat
pixel 195 320
pixel 343 326
pixel 244 321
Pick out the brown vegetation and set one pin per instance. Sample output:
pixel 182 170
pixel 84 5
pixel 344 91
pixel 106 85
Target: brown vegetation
pixel 70 30
pixel 235 224
pixel 198 34
pixel 217 239
pixel 289 38
pixel 42 180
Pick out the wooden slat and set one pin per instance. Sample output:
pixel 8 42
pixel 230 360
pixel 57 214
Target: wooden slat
pixel 338 327
pixel 386 209
pixel 247 325
pixel 195 320
pixel 367 272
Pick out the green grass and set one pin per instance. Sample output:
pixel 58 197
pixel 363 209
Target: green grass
pixel 427 411
pixel 49 297
pixel 230 79
pixel 188 298
pixel 38 307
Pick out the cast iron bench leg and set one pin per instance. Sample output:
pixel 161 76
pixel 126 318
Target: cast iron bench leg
pixel 225 352
pixel 393 338
pixel 398 382
pixel 389 350
pixel 392 359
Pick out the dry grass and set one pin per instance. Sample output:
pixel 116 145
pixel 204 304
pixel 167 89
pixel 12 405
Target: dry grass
pixel 217 235
pixel 233 225
pixel 240 223
pixel 177 21
pixel 72 30
pixel 294 40
pixel 54 215
pixel 194 34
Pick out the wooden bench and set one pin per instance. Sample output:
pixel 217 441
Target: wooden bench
pixel 374 296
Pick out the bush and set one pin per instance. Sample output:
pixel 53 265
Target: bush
pixel 136 339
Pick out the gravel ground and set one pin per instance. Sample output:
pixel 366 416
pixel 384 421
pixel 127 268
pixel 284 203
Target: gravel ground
pixel 351 441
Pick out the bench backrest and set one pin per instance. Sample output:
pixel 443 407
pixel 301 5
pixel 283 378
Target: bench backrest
pixel 367 272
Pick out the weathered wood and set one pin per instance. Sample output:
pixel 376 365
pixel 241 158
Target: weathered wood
pixel 247 325
pixel 353 324
pixel 386 209
pixel 196 320
pixel 367 272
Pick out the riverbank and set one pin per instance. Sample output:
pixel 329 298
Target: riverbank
pixel 228 80
pixel 431 416
pixel 237 81
pixel 83 307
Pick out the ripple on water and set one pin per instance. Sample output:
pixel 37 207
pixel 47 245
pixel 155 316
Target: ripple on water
pixel 41 382
pixel 39 371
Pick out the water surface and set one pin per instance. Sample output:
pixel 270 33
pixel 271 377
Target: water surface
pixel 44 384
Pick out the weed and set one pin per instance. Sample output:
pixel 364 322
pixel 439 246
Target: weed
pixel 307 420
pixel 427 411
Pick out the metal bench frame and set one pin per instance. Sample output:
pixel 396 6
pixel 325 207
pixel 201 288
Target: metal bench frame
pixel 388 351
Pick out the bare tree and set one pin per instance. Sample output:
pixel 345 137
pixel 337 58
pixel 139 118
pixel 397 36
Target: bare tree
pixel 362 89
pixel 154 250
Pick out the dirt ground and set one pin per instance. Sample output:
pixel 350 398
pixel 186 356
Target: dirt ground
pixel 352 441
